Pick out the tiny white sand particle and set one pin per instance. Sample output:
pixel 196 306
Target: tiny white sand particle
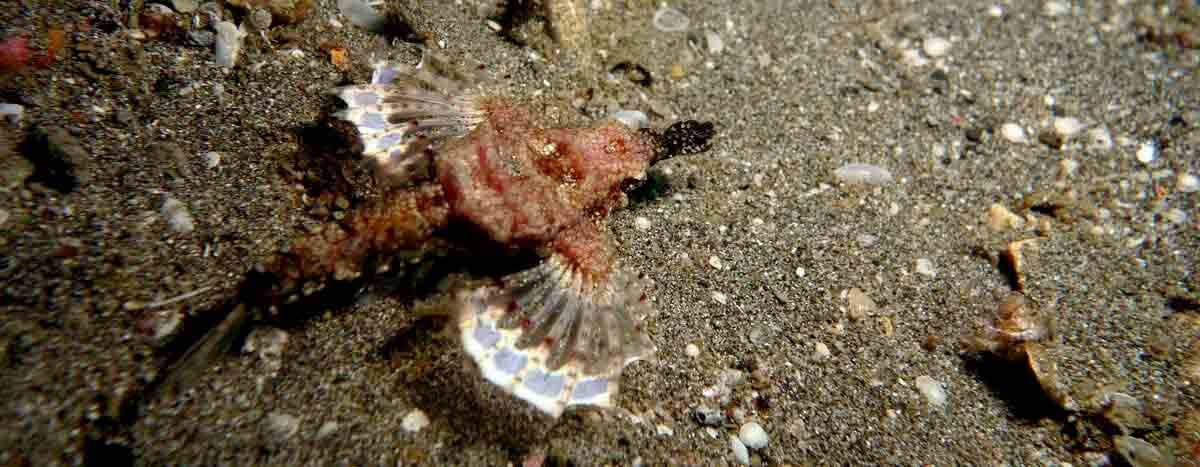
pixel 913 58
pixel 936 46
pixel 664 431
pixel 800 272
pixel 714 261
pixel 933 391
pixel 1187 183
pixel 995 11
pixel 212 159
pixel 415 421
pixel 1013 133
pixel 1067 127
pixel 925 268
pixel 692 350
pixel 1147 153
pixel 1176 216
pixel 641 223
pixel 670 20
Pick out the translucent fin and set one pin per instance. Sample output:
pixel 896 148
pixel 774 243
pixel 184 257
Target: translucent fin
pixel 403 114
pixel 554 338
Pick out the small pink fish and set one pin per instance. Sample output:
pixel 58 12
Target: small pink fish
pixel 470 169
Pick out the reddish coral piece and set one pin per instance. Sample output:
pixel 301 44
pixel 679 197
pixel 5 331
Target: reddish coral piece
pixel 14 53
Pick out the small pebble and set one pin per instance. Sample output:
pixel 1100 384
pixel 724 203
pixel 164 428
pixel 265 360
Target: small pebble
pixel 715 44
pixel 925 268
pixel 859 305
pixel 664 430
pixel 692 350
pixel 720 298
pixel 753 436
pixel 1001 219
pixel 1147 153
pixel 932 390
pixel 1013 133
pixel 864 174
pixel 4 215
pixel 913 58
pixel 1138 453
pixel 641 223
pixel 327 428
pixel 714 261
pixel 283 425
pixel 1187 183
pixel 177 215
pixel 1176 216
pixel 415 421
pixel 266 342
pixel 936 46
pixel 821 351
pixel 740 454
pixel 228 43
pixel 1066 127
pixel 1055 8
pixel 635 119
pixel 995 11
pixel 670 20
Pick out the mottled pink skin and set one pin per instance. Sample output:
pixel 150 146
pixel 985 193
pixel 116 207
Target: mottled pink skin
pixel 523 185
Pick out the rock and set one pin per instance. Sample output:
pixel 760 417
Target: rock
pixel 229 43
pixel 933 391
pixel 1013 133
pixel 327 429
pixel 1139 453
pixel 1147 153
pixel 936 46
pixel 668 19
pixel 753 435
pixel 284 11
pixel 1000 218
pixel 364 14
pixel 1067 127
pixel 925 268
pixel 415 421
pixel 692 351
pixel 282 425
pixel 708 416
pixel 185 6
pixel 821 351
pixel 858 304
pixel 1187 183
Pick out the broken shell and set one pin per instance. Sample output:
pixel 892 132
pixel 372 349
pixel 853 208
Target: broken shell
pixel 1045 370
pixel 1012 263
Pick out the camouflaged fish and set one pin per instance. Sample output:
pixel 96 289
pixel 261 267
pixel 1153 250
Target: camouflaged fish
pixel 557 334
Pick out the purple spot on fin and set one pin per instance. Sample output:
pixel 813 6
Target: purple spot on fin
pixel 590 388
pixel 373 121
pixel 509 362
pixel 486 336
pixel 543 383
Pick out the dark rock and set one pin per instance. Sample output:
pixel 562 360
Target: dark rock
pixel 59 160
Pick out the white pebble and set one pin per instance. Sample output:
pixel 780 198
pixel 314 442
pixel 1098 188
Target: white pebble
pixel 714 261
pixel 715 44
pixel 12 113
pixel 692 350
pixel 936 46
pixel 327 429
pixel 995 11
pixel 1067 127
pixel 1099 139
pixel 864 174
pixel 1055 8
pixel 913 58
pixel 719 298
pixel 664 431
pixel 925 268
pixel 753 436
pixel 670 20
pixel 1176 216
pixel 933 391
pixel 177 215
pixel 1147 153
pixel 740 454
pixel 634 119
pixel 415 421
pixel 212 159
pixel 1013 133
pixel 229 43
pixel 1187 183
pixel 283 425
pixel 821 351
pixel 363 13
pixel 641 223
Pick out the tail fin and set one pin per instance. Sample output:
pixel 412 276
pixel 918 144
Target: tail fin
pixel 403 113
pixel 553 338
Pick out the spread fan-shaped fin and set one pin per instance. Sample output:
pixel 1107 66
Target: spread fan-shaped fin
pixel 554 337
pixel 403 113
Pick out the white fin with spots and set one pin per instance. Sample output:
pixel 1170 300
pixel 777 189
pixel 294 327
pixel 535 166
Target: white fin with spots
pixel 553 338
pixel 403 113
